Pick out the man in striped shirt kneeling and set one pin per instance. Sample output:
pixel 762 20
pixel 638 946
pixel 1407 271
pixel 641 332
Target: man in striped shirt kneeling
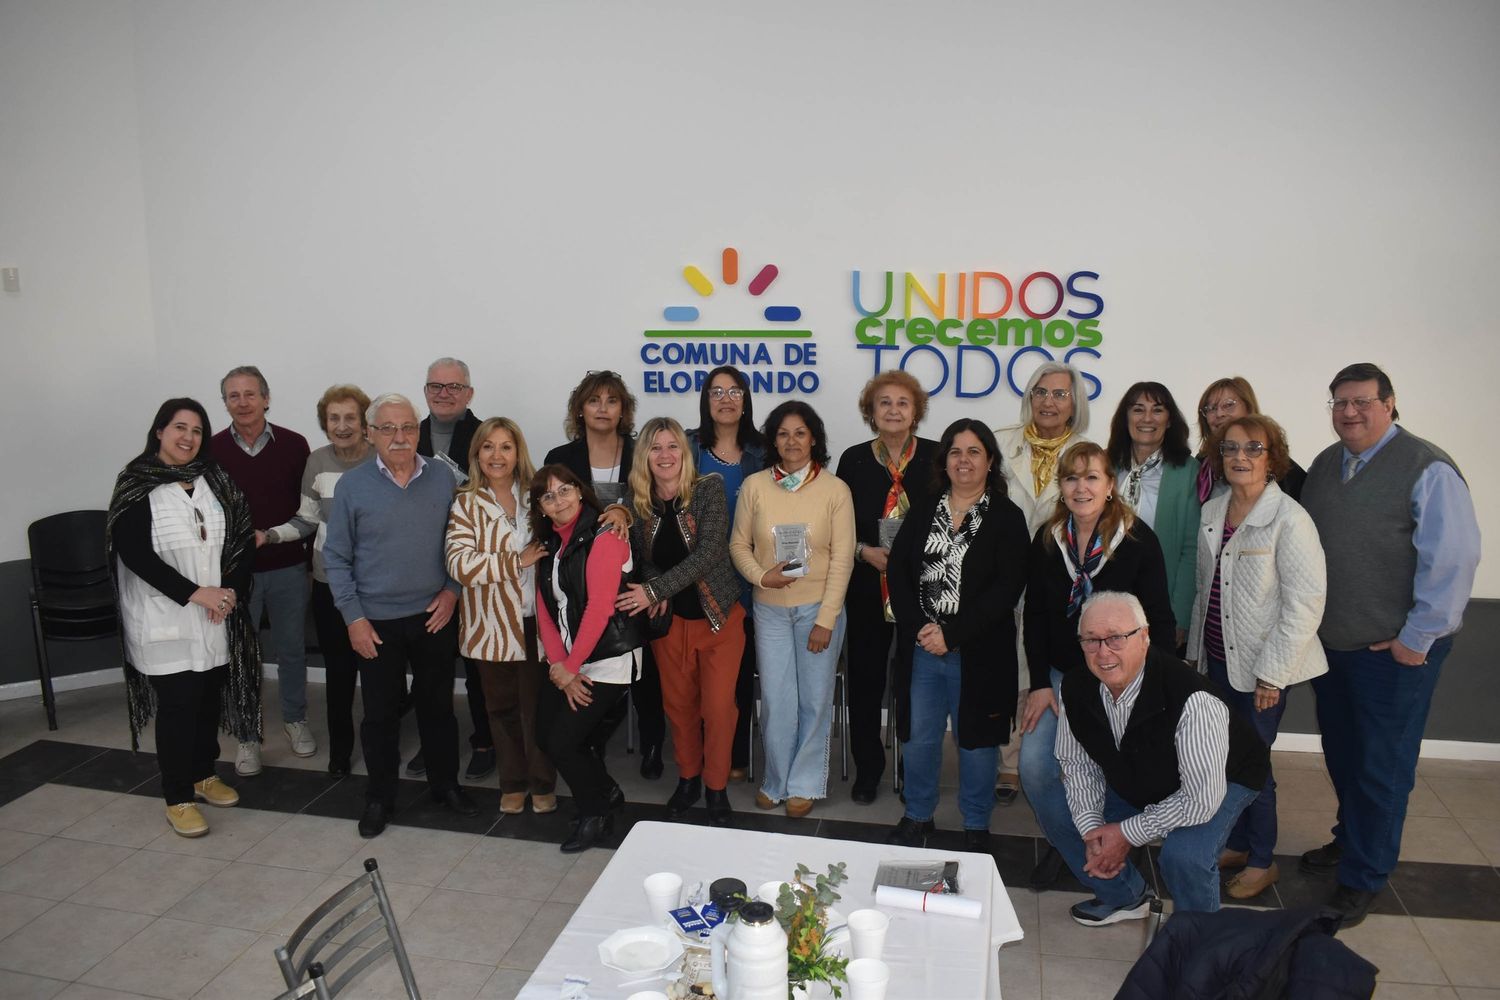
pixel 1148 750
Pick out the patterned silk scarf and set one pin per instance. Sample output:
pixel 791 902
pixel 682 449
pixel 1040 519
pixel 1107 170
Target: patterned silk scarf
pixel 1044 452
pixel 239 701
pixel 896 502
pixel 1137 473
pixel 794 481
pixel 1083 582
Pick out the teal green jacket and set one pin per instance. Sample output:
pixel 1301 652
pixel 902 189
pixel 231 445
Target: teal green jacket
pixel 1176 527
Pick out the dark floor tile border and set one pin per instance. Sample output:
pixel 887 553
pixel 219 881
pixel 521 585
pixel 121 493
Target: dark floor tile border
pixel 1418 889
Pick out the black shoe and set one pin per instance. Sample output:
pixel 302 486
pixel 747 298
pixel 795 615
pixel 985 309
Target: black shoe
pixel 651 766
pixel 372 823
pixel 1048 870
pixel 417 766
pixel 685 797
pixel 863 793
pixel 1322 860
pixel 911 833
pixel 615 801
pixel 338 767
pixel 591 830
pixel 458 800
pixel 1352 904
pixel 977 841
pixel 720 812
pixel 481 764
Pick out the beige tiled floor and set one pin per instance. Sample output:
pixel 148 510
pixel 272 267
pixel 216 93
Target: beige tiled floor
pixel 98 901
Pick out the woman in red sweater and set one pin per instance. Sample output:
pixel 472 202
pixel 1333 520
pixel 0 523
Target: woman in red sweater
pixel 592 653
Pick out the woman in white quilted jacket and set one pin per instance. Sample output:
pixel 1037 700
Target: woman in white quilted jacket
pixel 1261 587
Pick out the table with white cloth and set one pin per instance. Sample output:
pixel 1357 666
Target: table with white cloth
pixel 932 956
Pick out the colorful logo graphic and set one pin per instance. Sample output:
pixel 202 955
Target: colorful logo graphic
pixel 679 357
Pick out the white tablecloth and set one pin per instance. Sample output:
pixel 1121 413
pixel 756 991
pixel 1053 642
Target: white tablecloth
pixel 931 956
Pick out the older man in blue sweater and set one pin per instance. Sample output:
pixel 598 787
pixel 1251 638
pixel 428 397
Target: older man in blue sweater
pixel 384 557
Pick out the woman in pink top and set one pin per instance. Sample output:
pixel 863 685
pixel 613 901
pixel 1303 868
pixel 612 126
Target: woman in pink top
pixel 592 653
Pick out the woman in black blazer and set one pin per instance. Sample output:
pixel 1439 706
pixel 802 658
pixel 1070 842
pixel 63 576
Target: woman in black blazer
pixel 960 555
pixel 1093 542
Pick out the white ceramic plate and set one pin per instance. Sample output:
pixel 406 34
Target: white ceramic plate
pixel 640 949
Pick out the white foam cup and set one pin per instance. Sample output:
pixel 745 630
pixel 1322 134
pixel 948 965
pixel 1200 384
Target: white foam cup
pixel 867 932
pixel 663 894
pixel 867 978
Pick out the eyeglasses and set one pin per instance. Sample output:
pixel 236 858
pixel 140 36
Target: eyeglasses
pixel 387 430
pixel 614 375
pixel 1252 449
pixel 202 527
pixel 1360 403
pixel 719 392
pixel 1222 406
pixel 1059 394
pixel 1114 642
pixel 437 388
pixel 562 494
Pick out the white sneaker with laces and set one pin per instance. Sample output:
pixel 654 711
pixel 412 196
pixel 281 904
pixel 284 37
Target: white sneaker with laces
pixel 247 760
pixel 300 734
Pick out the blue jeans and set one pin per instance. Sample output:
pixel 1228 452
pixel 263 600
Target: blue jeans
pixel 1041 779
pixel 1372 711
pixel 796 690
pixel 1255 832
pixel 936 688
pixel 1189 856
pixel 284 593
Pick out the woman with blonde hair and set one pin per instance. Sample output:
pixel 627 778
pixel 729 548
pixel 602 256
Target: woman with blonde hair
pixel 490 553
pixel 1093 541
pixel 680 540
pixel 1224 400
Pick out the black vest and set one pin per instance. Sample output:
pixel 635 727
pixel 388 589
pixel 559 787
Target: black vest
pixel 622 632
pixel 1143 770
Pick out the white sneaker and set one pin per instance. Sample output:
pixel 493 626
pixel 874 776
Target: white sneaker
pixel 303 743
pixel 247 761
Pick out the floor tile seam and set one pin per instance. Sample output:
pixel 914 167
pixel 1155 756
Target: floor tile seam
pixel 502 895
pixel 99 752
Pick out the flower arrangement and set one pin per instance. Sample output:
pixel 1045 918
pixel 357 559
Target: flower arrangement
pixel 802 911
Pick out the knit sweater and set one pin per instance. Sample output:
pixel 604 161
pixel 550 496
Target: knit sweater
pixel 272 482
pixel 384 553
pixel 825 506
pixel 320 476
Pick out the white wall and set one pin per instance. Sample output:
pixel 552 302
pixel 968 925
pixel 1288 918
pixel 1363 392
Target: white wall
pixel 342 191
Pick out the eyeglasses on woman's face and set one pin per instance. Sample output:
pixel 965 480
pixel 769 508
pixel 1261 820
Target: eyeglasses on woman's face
pixel 564 493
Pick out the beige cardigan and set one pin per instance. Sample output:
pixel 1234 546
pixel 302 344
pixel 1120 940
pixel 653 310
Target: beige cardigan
pixel 826 507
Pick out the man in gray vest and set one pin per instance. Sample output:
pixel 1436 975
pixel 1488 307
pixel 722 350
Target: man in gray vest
pixel 1402 543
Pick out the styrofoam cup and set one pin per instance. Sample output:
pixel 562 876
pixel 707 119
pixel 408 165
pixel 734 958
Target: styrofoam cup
pixel 663 894
pixel 768 891
pixel 867 978
pixel 867 932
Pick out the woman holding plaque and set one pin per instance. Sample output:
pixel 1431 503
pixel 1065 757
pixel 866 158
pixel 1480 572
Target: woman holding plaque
pixel 886 477
pixel 793 540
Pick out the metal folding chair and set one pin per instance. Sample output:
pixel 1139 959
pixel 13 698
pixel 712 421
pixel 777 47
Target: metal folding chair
pixel 315 941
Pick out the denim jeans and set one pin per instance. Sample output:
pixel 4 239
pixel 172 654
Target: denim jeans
pixel 1189 856
pixel 935 697
pixel 796 690
pixel 284 593
pixel 1371 712
pixel 1256 830
pixel 1041 779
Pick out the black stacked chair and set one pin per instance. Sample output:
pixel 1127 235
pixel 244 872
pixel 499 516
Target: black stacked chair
pixel 72 599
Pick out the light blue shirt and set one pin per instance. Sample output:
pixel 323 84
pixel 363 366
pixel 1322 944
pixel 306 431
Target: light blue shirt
pixel 386 472
pixel 1446 538
pixel 252 448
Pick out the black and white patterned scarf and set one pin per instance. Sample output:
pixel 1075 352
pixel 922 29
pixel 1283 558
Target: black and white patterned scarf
pixel 239 710
pixel 943 557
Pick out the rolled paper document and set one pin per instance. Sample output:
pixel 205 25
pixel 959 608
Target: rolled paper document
pixel 928 902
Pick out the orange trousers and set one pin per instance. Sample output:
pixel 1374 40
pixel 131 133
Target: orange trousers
pixel 699 669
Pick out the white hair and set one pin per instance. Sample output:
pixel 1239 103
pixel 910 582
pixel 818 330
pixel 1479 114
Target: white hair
pixel 1108 597
pixel 449 361
pixel 1080 421
pixel 386 399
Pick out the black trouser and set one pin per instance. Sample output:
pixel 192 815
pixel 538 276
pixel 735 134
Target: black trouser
pixel 340 668
pixel 405 642
pixel 566 736
pixel 744 697
pixel 187 729
pixel 479 716
pixel 650 717
pixel 869 637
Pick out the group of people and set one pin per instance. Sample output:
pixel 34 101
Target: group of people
pixel 1111 629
